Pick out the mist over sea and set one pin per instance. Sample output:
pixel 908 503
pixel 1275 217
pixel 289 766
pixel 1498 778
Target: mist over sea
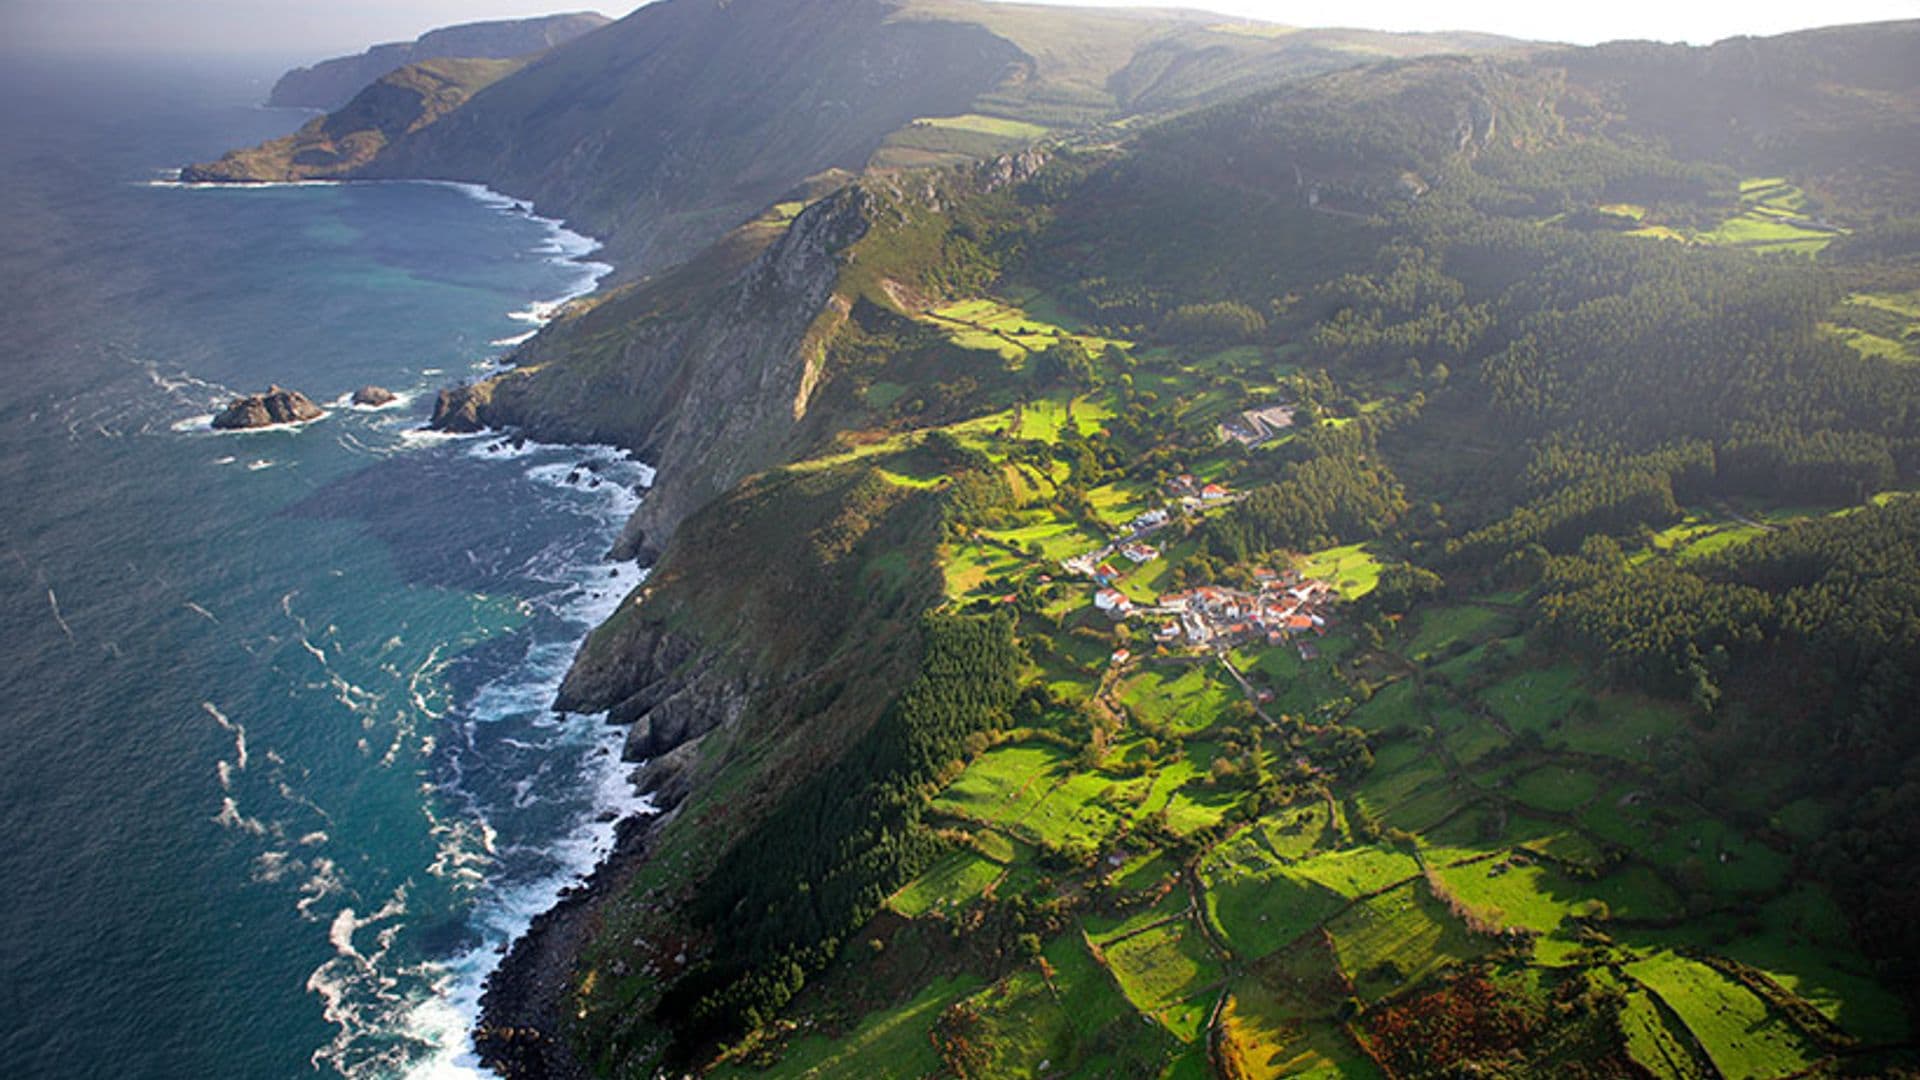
pixel 278 778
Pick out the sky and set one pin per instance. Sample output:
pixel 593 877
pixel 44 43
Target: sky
pixel 319 28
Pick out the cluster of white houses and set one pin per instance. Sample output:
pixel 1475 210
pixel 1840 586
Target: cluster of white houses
pixel 1284 607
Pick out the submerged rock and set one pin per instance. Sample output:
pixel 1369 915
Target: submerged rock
pixel 276 406
pixel 374 396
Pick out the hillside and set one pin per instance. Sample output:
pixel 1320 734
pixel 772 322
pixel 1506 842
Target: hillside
pixel 662 132
pixel 1410 572
pixel 343 142
pixel 330 84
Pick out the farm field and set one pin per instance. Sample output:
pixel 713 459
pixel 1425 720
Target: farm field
pixel 1401 935
pixel 1774 217
pixel 952 883
pixel 1742 1034
pixel 892 1044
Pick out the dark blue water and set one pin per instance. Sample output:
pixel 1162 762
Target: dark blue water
pixel 278 777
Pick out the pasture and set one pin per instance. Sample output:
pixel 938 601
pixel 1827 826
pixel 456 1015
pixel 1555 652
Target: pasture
pixel 1184 699
pixel 1399 937
pixel 1261 1038
pixel 950 884
pixel 1162 968
pixel 1742 1034
pixel 1256 913
pixel 890 1044
pixel 1351 568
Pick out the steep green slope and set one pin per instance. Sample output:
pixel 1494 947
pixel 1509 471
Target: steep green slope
pixel 1620 527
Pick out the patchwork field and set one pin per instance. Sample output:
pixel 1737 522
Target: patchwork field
pixel 1162 873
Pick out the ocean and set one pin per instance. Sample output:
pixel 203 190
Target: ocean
pixel 279 776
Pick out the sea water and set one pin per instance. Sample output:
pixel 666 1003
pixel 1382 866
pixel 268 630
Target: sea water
pixel 279 777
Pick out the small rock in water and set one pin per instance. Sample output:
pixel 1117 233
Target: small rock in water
pixel 375 396
pixel 276 406
pixel 573 477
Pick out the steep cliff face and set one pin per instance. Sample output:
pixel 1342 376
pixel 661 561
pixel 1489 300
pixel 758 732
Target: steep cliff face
pixel 332 83
pixel 717 389
pixel 689 116
pixel 338 145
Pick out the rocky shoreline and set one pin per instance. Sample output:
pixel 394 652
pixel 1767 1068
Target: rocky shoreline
pixel 521 1034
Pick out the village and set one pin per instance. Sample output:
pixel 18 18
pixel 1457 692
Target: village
pixel 1282 607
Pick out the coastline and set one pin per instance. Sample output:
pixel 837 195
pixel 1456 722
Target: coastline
pixel 513 1018
pixel 520 1033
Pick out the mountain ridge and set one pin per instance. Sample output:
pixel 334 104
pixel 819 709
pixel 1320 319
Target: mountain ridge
pixel 330 84
pixel 662 131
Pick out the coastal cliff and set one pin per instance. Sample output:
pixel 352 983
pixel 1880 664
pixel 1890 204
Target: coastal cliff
pixel 718 386
pixel 339 145
pixel 663 131
pixel 330 84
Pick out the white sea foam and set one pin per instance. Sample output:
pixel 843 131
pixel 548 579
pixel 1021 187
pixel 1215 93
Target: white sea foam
pixel 230 817
pixel 561 245
pixel 468 847
pixel 237 185
pixel 272 867
pixel 239 731
pixel 514 341
pixel 429 437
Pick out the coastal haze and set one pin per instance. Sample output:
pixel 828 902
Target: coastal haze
pixel 300 30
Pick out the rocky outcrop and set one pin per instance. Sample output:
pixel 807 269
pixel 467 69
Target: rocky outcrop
pixel 332 83
pixel 374 397
pixel 276 406
pixel 459 409
pixel 699 706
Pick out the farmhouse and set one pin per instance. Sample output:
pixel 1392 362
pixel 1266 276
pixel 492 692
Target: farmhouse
pixel 1139 553
pixel 1113 602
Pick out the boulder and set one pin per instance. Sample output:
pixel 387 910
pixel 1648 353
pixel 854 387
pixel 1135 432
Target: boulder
pixel 374 396
pixel 276 406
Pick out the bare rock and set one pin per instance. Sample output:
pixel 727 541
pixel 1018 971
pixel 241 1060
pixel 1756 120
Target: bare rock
pixel 276 406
